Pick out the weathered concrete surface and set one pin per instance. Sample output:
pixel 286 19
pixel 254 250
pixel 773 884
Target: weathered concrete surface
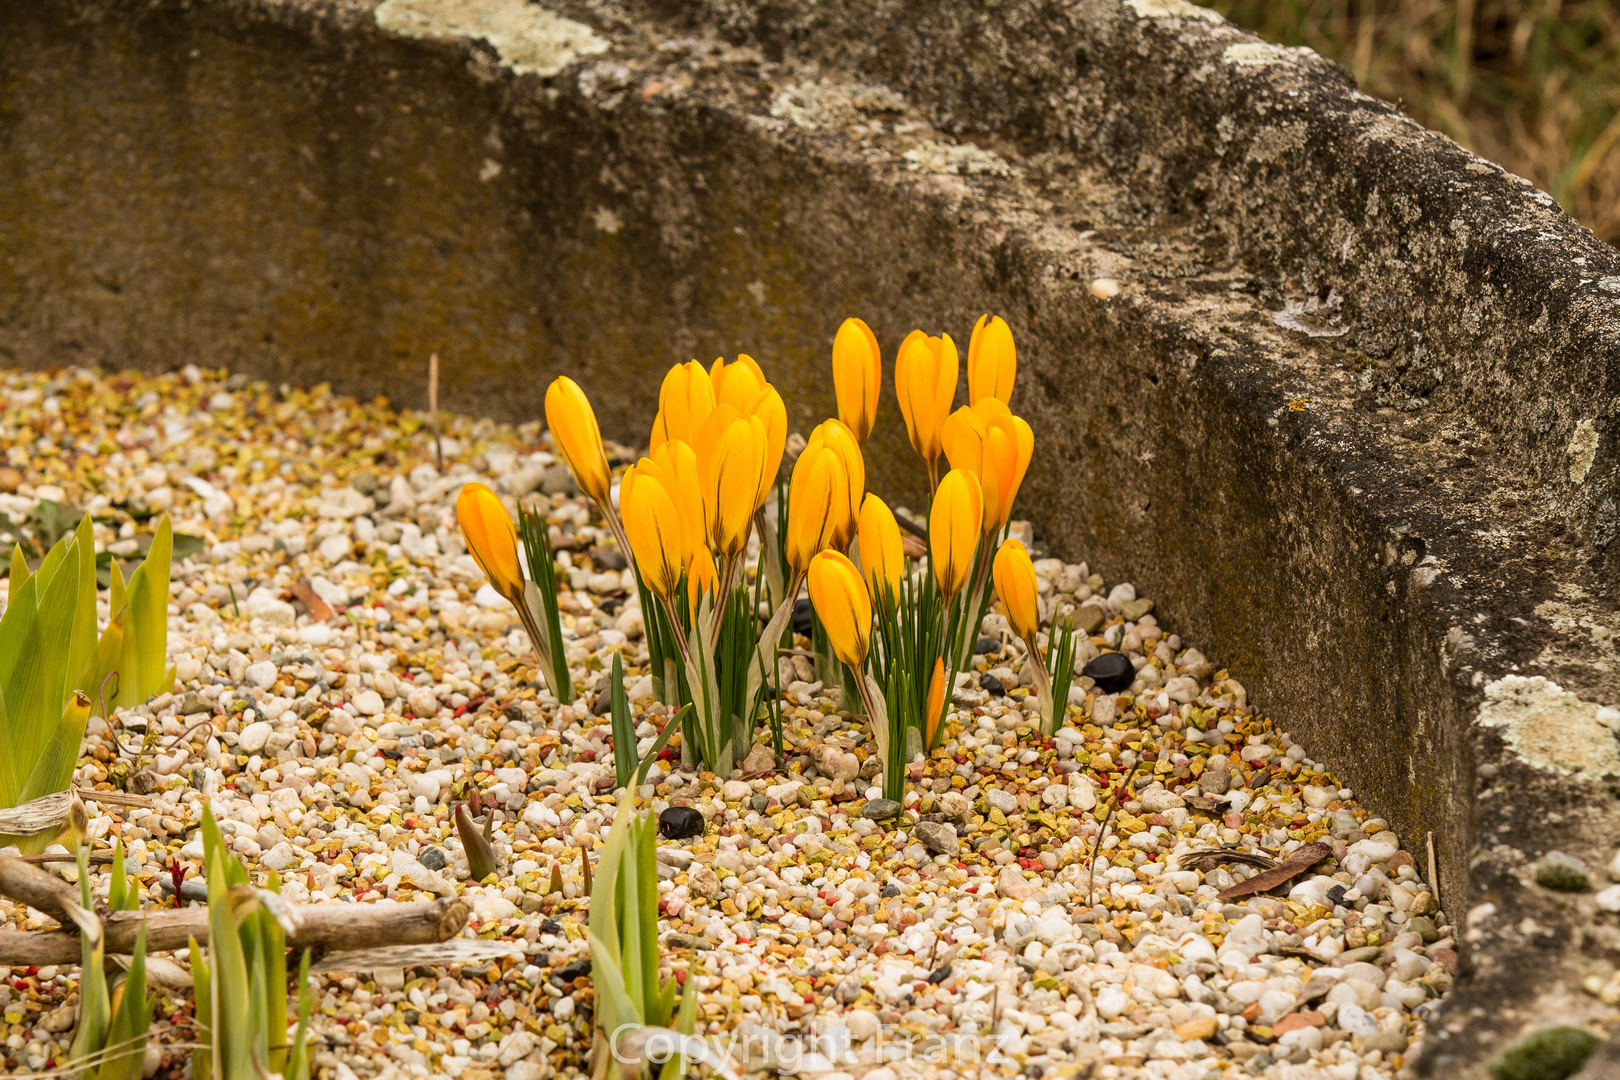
pixel 1373 527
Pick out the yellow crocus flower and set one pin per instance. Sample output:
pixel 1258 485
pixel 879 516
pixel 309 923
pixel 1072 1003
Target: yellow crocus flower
pixel 925 371
pixel 934 705
pixel 677 466
pixel 835 436
pixel 730 455
pixel 653 525
pixel 953 530
pixel 882 556
pixel 1014 576
pixel 685 401
pixel 842 606
pixel 491 538
pixel 987 440
pixel 818 505
pixel 738 383
pixel 701 579
pixel 573 429
pixel 857 374
pixel 992 360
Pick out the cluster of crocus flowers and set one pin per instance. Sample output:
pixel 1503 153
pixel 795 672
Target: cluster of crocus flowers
pixel 686 511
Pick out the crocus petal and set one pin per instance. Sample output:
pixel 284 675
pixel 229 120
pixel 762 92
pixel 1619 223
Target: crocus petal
pixel 818 502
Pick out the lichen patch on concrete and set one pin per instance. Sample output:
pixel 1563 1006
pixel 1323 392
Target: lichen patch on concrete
pixel 1172 9
pixel 1254 54
pixel 1549 727
pixel 823 105
pixel 1582 449
pixel 957 160
pixel 530 39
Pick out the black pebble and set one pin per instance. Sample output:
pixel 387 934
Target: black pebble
pixel 432 858
pixel 578 969
pixel 513 714
pixel 604 703
pixel 607 559
pixel 680 822
pixel 412 1017
pixel 939 975
pixel 987 646
pixel 1336 894
pixel 989 682
pixel 1112 672
pixel 551 926
pixel 801 617
pixel 890 890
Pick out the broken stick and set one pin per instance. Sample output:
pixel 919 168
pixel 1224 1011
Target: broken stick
pixel 321 927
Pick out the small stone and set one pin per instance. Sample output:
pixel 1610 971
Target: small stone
pixel 880 809
pixel 1090 617
pixel 1608 899
pixel 848 990
pixel 432 858
pixel 254 736
pixel 938 838
pixel 559 480
pixel 680 822
pixel 422 701
pixel 10 479
pixel 1295 1021
pixel 1135 609
pixel 987 646
pixel 991 685
pixel 368 703
pixel 704 882
pixel 954 805
pixel 1002 800
pixel 759 759
pixel 1202 1028
pixel 1214 781
pixel 1012 884
pixel 262 675
pixel 1112 672
pixel 735 790
pixel 1423 927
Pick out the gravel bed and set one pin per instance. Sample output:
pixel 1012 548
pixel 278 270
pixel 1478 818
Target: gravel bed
pixel 352 676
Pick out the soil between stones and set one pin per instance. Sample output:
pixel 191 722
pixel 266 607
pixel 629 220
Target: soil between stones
pixel 921 945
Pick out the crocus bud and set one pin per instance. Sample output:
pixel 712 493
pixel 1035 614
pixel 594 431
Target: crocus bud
pixel 491 538
pixel 992 360
pixel 684 402
pixel 701 579
pixel 573 428
pixel 925 370
pixel 730 454
pixel 953 530
pixel 842 606
pixel 857 374
pixel 934 706
pixel 1014 576
pixel 653 525
pixel 987 440
pixel 841 441
pixel 882 556
pixel 818 505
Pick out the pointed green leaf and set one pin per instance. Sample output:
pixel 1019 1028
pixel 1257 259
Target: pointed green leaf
pixel 82 640
pixel 19 568
pixel 203 981
pixel 151 606
pixel 53 770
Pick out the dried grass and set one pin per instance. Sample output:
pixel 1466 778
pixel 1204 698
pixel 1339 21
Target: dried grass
pixel 1532 85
